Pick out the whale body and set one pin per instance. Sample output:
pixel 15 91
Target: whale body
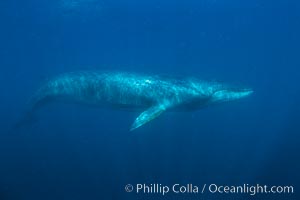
pixel 151 94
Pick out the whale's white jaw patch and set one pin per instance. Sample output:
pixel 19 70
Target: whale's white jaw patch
pixel 230 94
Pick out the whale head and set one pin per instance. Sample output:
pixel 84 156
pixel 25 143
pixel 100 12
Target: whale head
pixel 230 94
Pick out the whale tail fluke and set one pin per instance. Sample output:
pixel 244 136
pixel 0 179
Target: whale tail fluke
pixel 29 118
pixel 26 121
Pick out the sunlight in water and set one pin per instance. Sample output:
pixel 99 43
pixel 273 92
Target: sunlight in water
pixel 80 6
pixel 76 3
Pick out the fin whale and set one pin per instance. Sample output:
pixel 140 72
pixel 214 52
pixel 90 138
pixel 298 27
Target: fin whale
pixel 152 94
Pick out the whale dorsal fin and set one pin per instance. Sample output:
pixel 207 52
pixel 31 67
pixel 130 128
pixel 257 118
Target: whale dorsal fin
pixel 148 115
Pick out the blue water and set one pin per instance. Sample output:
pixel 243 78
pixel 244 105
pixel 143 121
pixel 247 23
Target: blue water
pixel 80 152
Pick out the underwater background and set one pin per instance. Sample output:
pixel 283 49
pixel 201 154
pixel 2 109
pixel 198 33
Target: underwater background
pixel 81 152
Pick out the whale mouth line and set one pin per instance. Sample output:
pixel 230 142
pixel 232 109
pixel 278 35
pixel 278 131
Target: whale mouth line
pixel 237 90
pixel 245 90
pixel 231 94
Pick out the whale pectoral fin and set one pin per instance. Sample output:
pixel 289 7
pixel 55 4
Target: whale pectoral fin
pixel 147 116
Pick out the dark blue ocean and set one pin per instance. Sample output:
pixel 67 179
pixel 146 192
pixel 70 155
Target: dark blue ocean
pixel 79 152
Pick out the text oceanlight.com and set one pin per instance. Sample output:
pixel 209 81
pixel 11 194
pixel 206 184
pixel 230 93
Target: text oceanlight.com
pixel 162 189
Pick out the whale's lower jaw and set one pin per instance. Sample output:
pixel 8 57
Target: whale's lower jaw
pixel 231 95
